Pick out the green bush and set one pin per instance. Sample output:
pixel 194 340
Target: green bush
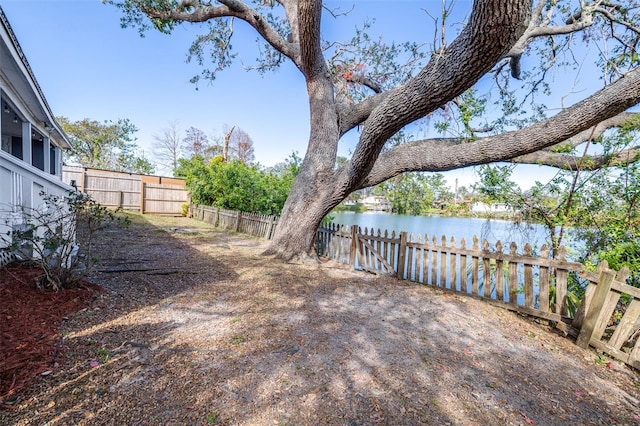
pixel 237 186
pixel 47 237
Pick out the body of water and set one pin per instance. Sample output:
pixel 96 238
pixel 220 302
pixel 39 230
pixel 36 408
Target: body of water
pixel 492 230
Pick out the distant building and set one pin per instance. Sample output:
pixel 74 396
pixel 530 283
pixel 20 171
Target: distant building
pixel 484 208
pixel 376 203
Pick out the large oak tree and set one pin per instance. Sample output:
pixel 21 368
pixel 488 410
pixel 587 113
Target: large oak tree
pixel 381 98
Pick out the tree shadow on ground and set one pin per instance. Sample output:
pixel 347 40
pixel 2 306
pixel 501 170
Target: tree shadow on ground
pixel 358 353
pixel 239 338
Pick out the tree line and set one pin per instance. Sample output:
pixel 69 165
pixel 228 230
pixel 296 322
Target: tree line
pixel 220 171
pixel 112 145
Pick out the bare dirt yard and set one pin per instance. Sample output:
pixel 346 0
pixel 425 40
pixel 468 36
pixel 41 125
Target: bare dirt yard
pixel 195 327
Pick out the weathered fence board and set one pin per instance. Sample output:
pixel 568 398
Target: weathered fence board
pixel 593 312
pixel 130 191
pixel 520 282
pixel 627 325
pixel 602 299
pixel 163 199
pixel 247 223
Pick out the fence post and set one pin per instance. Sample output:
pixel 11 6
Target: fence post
pixel 267 230
pixel 271 227
pixel 142 188
pixel 83 181
pixel 592 316
pixel 238 219
pixel 578 319
pixel 354 246
pixel 561 283
pixel 402 253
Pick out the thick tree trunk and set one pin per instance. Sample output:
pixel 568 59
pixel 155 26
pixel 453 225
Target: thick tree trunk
pixel 314 192
pixel 312 195
pixel 319 188
pixel 307 204
pixel 225 149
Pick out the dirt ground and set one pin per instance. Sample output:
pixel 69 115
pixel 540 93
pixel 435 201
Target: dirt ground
pixel 196 327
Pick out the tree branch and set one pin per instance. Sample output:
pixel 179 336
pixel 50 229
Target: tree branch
pixel 312 61
pixel 354 115
pixel 610 17
pixel 492 29
pixel 538 27
pixel 572 163
pixel 291 12
pixel 606 124
pixel 365 81
pixel 193 11
pixel 443 155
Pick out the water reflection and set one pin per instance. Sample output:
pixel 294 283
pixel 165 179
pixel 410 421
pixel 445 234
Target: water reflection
pixel 492 230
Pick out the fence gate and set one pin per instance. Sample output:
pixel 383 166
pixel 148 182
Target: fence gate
pixel 619 335
pixel 374 253
pixel 162 199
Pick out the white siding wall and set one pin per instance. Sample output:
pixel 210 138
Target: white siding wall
pixel 21 185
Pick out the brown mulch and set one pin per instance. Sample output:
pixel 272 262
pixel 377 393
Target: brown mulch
pixel 30 320
pixel 196 327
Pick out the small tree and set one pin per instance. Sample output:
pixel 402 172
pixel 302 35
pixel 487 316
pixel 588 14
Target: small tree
pixel 238 145
pixel 105 145
pixel 168 146
pixel 196 143
pixel 241 147
pixel 48 237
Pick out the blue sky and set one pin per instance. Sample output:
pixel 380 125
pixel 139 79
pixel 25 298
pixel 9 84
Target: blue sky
pixel 89 67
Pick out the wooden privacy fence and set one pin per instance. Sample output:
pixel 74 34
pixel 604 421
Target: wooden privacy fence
pixel 161 198
pixel 129 191
pixel 247 223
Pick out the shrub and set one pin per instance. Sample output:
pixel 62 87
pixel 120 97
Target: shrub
pixel 47 237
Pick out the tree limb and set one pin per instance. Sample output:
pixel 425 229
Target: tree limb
pixel 312 62
pixel 599 129
pixel 193 11
pixel 354 115
pixel 225 149
pixel 571 162
pixel 538 27
pixel 610 17
pixel 443 155
pixel 492 29
pixel 365 81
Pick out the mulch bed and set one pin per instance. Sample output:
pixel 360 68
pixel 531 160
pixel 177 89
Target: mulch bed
pixel 30 321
